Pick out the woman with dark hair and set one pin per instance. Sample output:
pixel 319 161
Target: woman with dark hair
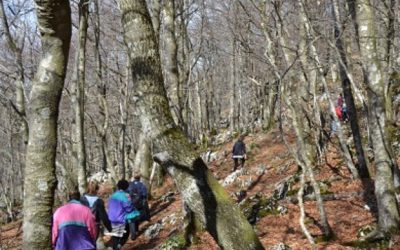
pixel 121 212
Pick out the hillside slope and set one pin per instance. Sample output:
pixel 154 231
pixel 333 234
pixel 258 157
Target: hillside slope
pixel 349 204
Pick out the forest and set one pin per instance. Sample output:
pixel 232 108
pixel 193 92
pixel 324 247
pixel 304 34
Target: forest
pixel 100 90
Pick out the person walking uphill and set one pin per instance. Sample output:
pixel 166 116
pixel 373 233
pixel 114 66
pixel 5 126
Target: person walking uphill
pixel 121 212
pixel 96 205
pixel 239 152
pixel 138 193
pixel 74 226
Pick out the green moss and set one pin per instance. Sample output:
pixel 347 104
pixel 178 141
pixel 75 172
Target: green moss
pixel 361 244
pixel 264 212
pixel 292 192
pixel 254 146
pixel 213 132
pixel 175 242
pixel 323 238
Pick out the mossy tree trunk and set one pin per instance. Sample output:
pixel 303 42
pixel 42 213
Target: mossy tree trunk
pixel 54 21
pixel 375 84
pixel 199 189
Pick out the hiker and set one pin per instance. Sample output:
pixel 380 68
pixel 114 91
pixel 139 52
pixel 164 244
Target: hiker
pixel 339 101
pixel 138 193
pixel 96 205
pixel 74 226
pixel 338 111
pixel 121 212
pixel 239 152
pixel 345 113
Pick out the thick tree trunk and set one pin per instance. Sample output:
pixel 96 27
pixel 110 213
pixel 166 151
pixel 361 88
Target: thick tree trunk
pixel 79 96
pixel 40 180
pixel 374 80
pixel 199 189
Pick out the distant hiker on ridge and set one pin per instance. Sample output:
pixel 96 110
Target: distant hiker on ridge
pixel 239 153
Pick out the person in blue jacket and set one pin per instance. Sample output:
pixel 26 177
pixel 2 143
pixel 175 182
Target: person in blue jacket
pixel 121 212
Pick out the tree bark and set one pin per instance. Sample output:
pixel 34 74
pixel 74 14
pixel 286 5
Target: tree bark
pixel 374 80
pixel 79 96
pixel 199 189
pixel 40 181
pixel 170 61
pixel 143 160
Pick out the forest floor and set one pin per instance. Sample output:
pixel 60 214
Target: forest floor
pixel 350 208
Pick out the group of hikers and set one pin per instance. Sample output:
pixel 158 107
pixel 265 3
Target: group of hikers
pixel 341 109
pixel 79 223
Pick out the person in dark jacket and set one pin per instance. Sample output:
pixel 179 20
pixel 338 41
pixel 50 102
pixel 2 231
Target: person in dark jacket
pixel 239 153
pixel 96 205
pixel 138 193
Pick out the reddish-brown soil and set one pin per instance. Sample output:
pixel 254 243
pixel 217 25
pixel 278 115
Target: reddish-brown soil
pixel 347 213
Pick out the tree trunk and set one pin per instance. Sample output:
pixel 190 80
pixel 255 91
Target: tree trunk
pixel 374 80
pixel 143 161
pixel 199 189
pixel 79 96
pixel 170 61
pixel 40 181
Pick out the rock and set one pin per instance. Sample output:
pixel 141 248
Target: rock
pixel 365 231
pixel 281 246
pixel 170 219
pixel 282 209
pixel 209 156
pixel 281 190
pixel 100 177
pixel 261 169
pixel 232 177
pixel 152 231
pixel 223 137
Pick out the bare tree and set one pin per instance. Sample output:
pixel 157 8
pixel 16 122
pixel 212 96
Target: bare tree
pixel 78 98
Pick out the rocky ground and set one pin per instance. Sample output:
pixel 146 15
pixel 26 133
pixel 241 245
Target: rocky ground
pixel 266 191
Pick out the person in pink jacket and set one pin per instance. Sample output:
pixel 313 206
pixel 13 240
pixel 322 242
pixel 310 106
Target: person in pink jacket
pixel 74 226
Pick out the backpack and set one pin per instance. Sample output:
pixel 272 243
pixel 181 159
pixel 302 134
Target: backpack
pixel 136 197
pixel 91 201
